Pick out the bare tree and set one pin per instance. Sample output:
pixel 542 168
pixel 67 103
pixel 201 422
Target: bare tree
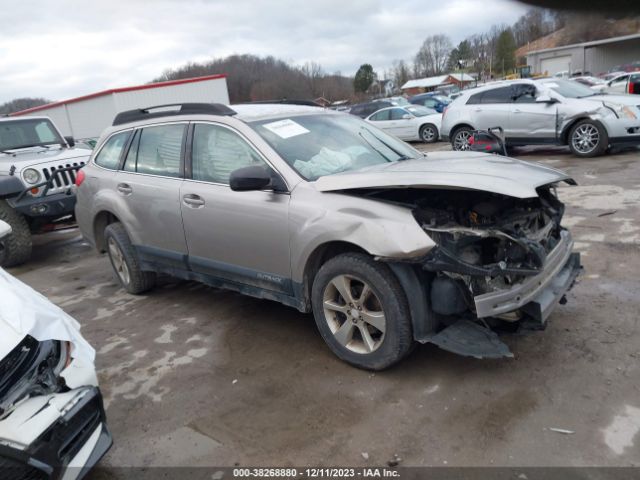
pixel 432 56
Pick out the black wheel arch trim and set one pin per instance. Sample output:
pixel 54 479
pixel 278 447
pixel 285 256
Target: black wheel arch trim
pixel 10 186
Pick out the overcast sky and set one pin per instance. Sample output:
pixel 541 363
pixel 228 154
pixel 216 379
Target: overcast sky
pixel 62 49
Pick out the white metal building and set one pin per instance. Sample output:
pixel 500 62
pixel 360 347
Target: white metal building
pixel 87 116
pixel 596 57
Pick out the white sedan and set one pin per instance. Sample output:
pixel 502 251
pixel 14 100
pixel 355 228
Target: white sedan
pixel 52 422
pixel 410 122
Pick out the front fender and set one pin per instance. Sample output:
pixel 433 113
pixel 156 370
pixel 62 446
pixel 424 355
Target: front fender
pixel 10 186
pixel 381 229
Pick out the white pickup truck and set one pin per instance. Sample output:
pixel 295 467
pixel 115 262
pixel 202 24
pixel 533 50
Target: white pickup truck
pixel 37 170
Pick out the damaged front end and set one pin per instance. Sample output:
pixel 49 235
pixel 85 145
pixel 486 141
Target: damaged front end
pixel 497 259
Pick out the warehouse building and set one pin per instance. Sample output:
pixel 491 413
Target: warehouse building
pixel 87 116
pixel 600 56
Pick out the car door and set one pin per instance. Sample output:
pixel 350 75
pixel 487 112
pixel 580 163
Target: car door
pixel 240 237
pixel 492 108
pixel 382 120
pixel 618 84
pixel 402 127
pixel 149 185
pixel 531 121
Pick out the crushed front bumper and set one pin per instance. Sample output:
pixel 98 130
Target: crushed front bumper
pixel 537 296
pixel 69 447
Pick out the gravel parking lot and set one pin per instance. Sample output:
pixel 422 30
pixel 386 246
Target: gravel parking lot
pixel 198 376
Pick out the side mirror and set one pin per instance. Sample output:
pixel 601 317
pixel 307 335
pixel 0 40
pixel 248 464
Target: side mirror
pixel 544 98
pixel 249 178
pixel 70 141
pixel 5 229
pixel 406 116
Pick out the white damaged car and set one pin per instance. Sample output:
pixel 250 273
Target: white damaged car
pixel 52 422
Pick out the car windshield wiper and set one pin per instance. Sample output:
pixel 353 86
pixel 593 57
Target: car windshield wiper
pixel 401 156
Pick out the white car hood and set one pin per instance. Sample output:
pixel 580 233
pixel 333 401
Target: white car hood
pixel 621 99
pixel 451 170
pixel 23 311
pixel 31 157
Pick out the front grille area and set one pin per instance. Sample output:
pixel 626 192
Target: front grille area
pixel 62 180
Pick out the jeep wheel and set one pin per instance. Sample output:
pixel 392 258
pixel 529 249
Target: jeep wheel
pixel 429 133
pixel 460 138
pixel 588 139
pixel 124 261
pixel 362 312
pixel 15 248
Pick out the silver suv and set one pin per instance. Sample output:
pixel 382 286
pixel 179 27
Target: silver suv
pixel 37 172
pixel 323 212
pixel 550 111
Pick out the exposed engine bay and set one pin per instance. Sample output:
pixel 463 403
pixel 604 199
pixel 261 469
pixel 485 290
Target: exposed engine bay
pixel 486 242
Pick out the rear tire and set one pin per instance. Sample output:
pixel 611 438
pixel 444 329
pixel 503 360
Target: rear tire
pixel 460 138
pixel 125 262
pixel 588 138
pixel 429 133
pixel 362 311
pixel 16 247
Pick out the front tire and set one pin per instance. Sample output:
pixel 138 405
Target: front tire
pixel 429 133
pixel 15 248
pixel 588 138
pixel 362 312
pixel 124 261
pixel 460 139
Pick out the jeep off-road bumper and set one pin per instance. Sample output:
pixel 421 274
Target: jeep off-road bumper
pixel 57 205
pixel 538 295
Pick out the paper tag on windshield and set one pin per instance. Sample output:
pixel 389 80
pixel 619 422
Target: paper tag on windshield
pixel 286 128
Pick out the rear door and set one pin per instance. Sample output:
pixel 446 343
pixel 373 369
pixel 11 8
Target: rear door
pixel 242 237
pixel 149 185
pixel 492 108
pixel 619 84
pixel 531 122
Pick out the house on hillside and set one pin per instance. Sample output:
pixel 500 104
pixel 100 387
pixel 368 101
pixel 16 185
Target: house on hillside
pixel 429 84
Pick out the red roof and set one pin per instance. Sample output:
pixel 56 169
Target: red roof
pixel 120 90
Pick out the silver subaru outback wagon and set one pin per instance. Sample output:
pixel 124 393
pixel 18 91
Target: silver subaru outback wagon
pixel 325 213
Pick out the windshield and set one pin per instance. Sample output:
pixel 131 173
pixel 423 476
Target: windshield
pixel 570 89
pixel 420 111
pixel 27 133
pixel 318 145
pixel 441 99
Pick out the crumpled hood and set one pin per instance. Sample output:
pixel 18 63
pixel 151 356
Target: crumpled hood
pixel 23 311
pixel 451 170
pixel 38 155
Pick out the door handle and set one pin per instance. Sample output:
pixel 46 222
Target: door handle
pixel 478 110
pixel 124 189
pixel 193 201
pixel 517 111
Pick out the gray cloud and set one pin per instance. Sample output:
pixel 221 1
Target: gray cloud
pixel 68 48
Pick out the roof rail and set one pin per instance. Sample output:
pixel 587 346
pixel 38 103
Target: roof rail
pixel 284 101
pixel 185 109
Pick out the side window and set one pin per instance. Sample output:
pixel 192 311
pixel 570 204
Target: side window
pixel 524 93
pixel 159 150
pixel 498 95
pixel 429 102
pixel 475 99
pixel 381 116
pixel 218 151
pixel 619 80
pixel 397 113
pixel 109 156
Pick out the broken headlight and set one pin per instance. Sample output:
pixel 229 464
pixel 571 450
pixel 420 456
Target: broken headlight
pixel 620 111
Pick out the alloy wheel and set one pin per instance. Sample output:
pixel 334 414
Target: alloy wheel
pixel 354 314
pixel 585 138
pixel 119 263
pixel 461 140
